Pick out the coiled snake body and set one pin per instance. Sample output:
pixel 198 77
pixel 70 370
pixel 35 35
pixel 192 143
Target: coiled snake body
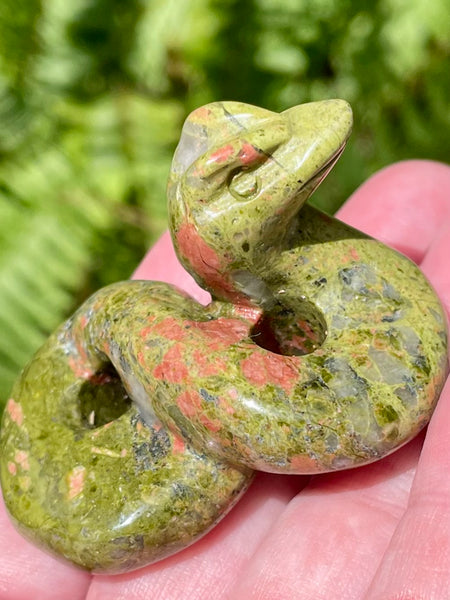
pixel 139 423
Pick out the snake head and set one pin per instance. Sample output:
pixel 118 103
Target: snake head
pixel 240 175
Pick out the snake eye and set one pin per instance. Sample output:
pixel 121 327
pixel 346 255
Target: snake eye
pixel 243 184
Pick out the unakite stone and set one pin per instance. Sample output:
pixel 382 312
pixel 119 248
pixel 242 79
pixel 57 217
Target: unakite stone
pixel 138 425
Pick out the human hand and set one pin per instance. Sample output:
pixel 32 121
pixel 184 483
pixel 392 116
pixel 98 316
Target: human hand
pixel 380 532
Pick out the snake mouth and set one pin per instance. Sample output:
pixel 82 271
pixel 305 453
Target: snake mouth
pixel 313 183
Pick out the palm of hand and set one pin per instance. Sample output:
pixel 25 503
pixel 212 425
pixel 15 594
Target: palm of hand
pixel 379 532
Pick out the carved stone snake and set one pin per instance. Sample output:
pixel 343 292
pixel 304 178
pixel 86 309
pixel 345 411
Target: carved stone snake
pixel 138 424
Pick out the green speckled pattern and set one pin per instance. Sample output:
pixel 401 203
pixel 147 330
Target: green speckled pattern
pixel 138 425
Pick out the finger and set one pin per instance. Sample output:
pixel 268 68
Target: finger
pixel 209 568
pixel 435 264
pixel 27 572
pixel 163 270
pixel 330 538
pixel 417 562
pixel 403 205
pixel 343 522
pixel 178 570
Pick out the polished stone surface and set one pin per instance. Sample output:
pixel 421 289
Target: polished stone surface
pixel 139 423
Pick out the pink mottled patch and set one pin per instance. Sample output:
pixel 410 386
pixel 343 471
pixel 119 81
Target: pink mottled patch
pixel 253 369
pixel 281 371
pixel 148 330
pixel 202 113
pixel 248 155
pixel 12 468
pixel 211 424
pixel 208 366
pixel 145 332
pixel 233 393
pixel 141 358
pixel 354 254
pixel 222 333
pixel 262 369
pixel 178 445
pixel 189 402
pixel 172 368
pixel 226 406
pixel 204 260
pixel 351 256
pixel 250 313
pixel 171 329
pixel 79 368
pixel 222 154
pixel 80 362
pixel 21 458
pixel 302 464
pixel 14 410
pixel 76 478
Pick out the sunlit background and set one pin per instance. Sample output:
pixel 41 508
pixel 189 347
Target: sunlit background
pixel 93 94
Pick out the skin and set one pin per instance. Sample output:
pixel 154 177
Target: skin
pixel 390 521
pixel 336 346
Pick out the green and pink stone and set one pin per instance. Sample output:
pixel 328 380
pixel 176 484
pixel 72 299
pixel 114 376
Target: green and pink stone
pixel 138 425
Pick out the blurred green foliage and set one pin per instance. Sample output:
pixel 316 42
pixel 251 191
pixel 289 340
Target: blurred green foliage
pixel 93 94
